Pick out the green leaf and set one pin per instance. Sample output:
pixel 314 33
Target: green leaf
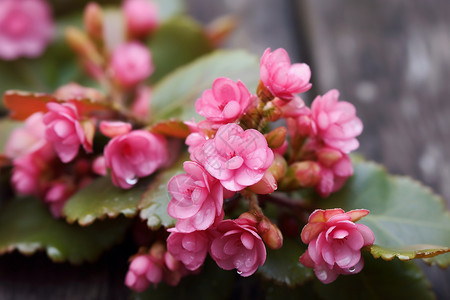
pixel 6 127
pixel 27 225
pixel 175 95
pixel 101 199
pixel 153 205
pixel 379 280
pixel 211 283
pixel 402 211
pixel 407 252
pixel 175 43
pixel 283 265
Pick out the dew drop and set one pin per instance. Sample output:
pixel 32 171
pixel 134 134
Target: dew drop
pixel 351 269
pixel 131 180
pixel 239 272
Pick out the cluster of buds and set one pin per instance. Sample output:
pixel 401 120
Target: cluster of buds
pixel 115 55
pixel 153 267
pixel 43 153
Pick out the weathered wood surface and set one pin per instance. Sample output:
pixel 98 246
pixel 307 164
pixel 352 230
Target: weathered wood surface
pixel 391 58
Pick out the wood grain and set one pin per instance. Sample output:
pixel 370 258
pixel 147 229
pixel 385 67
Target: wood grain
pixel 392 60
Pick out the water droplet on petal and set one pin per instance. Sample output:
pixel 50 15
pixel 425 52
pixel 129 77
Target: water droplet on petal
pixel 131 181
pixel 352 269
pixel 239 272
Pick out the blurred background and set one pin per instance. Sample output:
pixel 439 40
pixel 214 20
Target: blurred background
pixel 390 58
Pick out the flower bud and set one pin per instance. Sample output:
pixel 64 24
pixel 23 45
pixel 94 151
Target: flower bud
pixel 131 63
pixel 93 20
pixel 249 216
pixel 328 157
pixel 307 173
pixel 82 45
pixel 276 137
pixel 141 17
pixel 278 167
pixel 157 251
pixel 263 93
pixel 270 234
pixel 305 126
pixel 266 185
pixel 281 150
pixel 271 112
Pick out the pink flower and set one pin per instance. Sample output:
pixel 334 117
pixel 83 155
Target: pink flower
pixel 99 166
pixel 26 28
pixel 64 130
pixel 56 197
pixel 27 138
pixel 199 135
pixel 131 63
pixel 141 16
pixel 154 267
pixel 336 121
pixel 336 167
pixel 237 245
pixel 335 242
pixel 236 157
pixel 135 154
pixel 197 198
pixel 302 125
pixel 294 108
pixel 225 102
pixel 280 77
pixel 30 171
pixel 144 270
pixel 189 248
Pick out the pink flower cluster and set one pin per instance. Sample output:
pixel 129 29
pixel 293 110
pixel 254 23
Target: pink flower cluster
pixel 152 268
pixel 226 157
pixel 197 203
pixel 335 242
pixel 230 161
pixel 26 28
pixel 37 171
pixel 332 127
pixel 233 244
pixel 46 157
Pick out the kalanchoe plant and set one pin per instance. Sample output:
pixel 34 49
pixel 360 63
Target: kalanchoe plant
pixel 219 160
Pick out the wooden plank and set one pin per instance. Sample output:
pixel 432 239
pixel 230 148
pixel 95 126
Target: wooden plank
pixel 392 60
